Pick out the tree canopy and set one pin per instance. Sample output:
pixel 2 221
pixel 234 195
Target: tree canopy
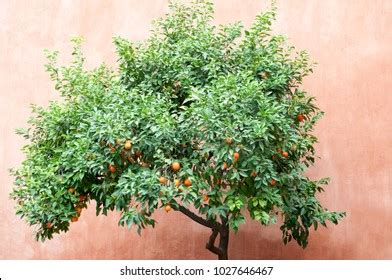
pixel 208 120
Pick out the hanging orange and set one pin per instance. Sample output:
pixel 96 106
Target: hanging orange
pixel 187 182
pixel 168 208
pixel 176 166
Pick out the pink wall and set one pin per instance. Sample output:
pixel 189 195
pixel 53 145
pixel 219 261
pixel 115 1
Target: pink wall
pixel 351 41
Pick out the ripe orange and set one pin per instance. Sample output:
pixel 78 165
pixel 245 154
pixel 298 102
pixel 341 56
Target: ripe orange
pixel 74 219
pixel 49 225
pixel 228 141
pixel 177 183
pixel 253 174
pixel 162 180
pixel 300 117
pixel 175 166
pixel 71 190
pixel 128 145
pixel 187 182
pixel 168 208
pixel 224 167
pixel 285 154
pixel 273 182
pixel 112 168
pixel 205 198
pixel 236 156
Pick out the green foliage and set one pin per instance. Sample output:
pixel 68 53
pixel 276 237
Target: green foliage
pixel 193 93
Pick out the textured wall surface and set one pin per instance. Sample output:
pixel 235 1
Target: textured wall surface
pixel 351 41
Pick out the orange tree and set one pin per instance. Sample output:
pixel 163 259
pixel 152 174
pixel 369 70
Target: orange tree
pixel 205 120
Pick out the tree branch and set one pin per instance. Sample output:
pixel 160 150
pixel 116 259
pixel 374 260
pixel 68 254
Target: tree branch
pixel 197 218
pixel 213 236
pixel 216 229
pixel 210 244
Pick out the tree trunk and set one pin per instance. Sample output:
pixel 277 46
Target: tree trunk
pixel 224 242
pixel 217 228
pixel 222 249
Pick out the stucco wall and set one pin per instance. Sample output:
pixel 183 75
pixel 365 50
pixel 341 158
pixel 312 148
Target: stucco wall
pixel 351 41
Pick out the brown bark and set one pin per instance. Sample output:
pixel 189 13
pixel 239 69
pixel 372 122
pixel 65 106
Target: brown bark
pixel 221 229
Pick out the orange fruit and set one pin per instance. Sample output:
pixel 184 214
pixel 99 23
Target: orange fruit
pixel 128 145
pixel 224 167
pixel 273 182
pixel 71 190
pixel 112 168
pixel 205 198
pixel 176 166
pixel 285 154
pixel 177 183
pixel 74 219
pixel 236 156
pixel 168 208
pixel 162 180
pixel 187 182
pixel 300 117
pixel 253 174
pixel 49 225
